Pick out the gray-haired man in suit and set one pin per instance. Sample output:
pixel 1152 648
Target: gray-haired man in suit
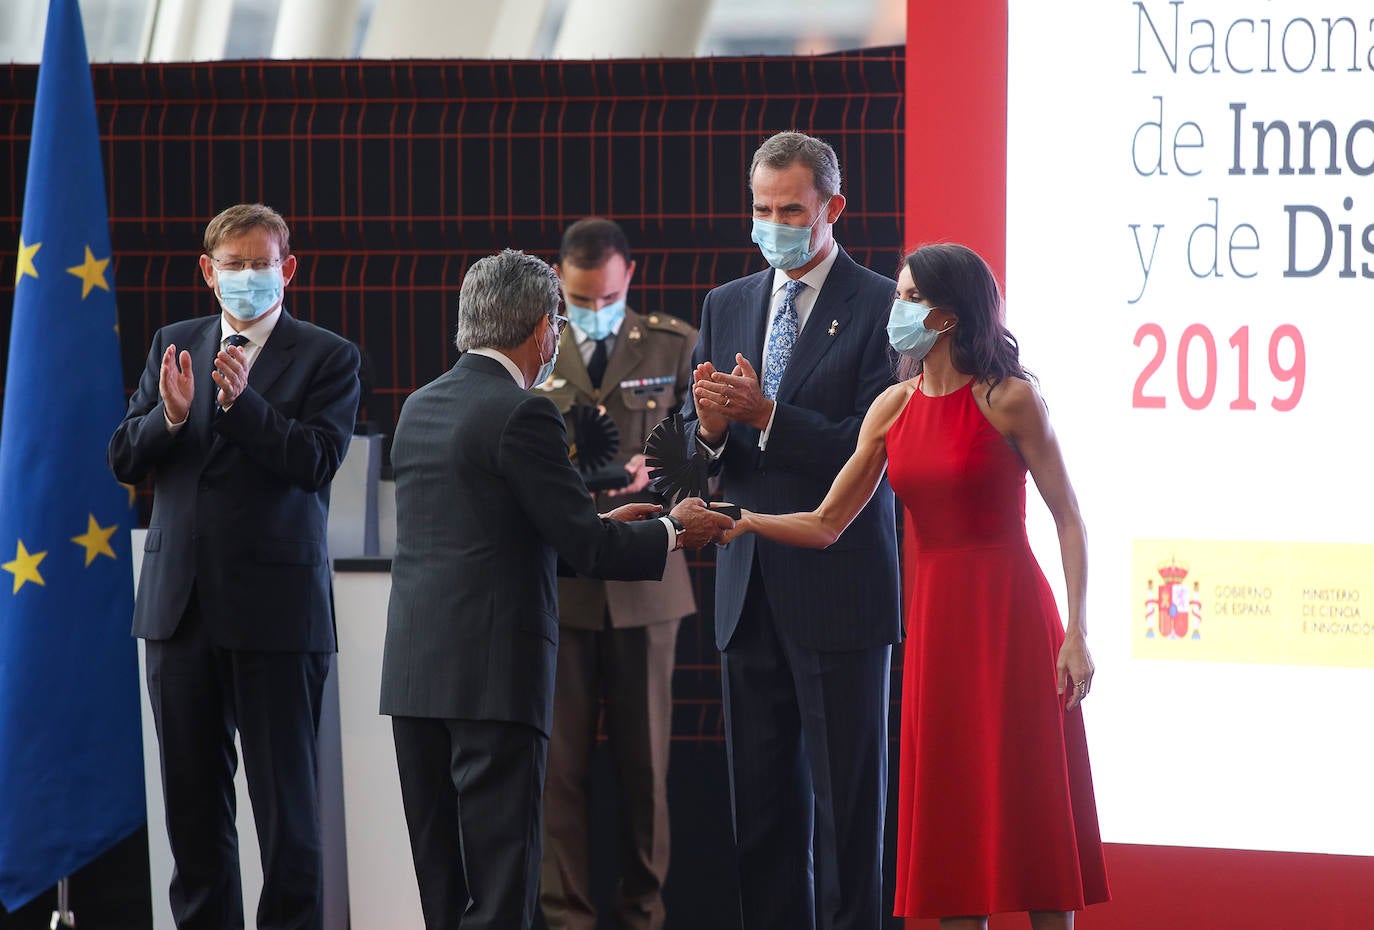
pixel 486 502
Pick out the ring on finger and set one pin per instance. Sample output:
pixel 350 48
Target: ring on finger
pixel 727 402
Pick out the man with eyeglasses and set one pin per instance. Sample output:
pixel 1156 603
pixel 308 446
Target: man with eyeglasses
pixel 486 501
pixel 241 419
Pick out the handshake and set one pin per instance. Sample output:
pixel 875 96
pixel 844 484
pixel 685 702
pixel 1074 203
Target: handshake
pixel 702 523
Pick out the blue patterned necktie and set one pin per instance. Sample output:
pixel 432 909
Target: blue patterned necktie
pixel 781 338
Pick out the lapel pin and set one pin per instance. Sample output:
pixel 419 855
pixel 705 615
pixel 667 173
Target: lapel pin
pixel 834 327
pixel 634 334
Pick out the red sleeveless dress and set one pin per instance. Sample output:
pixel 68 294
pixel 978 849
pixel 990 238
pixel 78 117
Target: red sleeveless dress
pixel 995 802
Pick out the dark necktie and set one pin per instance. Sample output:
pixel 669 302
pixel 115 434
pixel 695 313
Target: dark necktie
pixel 596 368
pixel 238 339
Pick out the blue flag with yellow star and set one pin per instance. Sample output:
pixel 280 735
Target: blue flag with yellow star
pixel 71 757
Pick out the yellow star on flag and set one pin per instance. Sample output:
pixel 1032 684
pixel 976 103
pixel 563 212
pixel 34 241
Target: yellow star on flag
pixel 132 491
pixel 26 254
pixel 96 539
pixel 91 273
pixel 24 567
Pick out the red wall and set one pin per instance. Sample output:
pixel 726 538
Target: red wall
pixel 956 184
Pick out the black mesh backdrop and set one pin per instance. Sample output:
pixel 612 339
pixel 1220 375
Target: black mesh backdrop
pixel 395 176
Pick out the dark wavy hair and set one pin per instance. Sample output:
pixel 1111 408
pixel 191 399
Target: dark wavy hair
pixel 955 278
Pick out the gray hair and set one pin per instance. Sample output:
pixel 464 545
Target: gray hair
pixel 786 149
pixel 502 299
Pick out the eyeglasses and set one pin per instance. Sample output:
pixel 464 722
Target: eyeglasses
pixel 239 264
pixel 560 323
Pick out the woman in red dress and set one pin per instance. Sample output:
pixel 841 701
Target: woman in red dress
pixel 995 801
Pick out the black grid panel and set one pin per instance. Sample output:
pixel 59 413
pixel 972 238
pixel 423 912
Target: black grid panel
pixel 396 176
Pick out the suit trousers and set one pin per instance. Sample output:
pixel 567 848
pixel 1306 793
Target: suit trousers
pixel 471 790
pixel 201 694
pixel 806 742
pixel 631 670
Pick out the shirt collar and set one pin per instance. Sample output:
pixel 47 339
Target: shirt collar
pixel 813 278
pixel 256 332
pixel 505 361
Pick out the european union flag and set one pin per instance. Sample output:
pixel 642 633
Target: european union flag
pixel 71 757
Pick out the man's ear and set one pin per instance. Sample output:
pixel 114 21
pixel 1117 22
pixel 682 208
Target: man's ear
pixel 834 208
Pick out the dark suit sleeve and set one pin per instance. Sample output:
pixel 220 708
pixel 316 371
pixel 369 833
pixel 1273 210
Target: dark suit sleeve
pixel 534 459
pixel 807 442
pixel 142 439
pixel 305 450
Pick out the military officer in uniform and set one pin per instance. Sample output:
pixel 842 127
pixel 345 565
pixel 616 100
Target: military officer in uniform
pixel 616 638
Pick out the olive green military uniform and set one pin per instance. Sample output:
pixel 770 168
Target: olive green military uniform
pixel 616 643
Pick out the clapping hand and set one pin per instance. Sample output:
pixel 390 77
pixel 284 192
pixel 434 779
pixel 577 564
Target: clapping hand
pixel 710 416
pixel 231 374
pixel 176 384
pixel 736 397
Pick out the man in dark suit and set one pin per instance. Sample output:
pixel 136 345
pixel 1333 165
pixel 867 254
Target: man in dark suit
pixel 242 429
pixel 486 502
pixel 617 639
pixel 789 360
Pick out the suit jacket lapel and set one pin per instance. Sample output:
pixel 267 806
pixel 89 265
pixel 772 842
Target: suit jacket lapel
pixel 203 352
pixel 629 349
pixel 276 356
pixel 829 317
pixel 758 296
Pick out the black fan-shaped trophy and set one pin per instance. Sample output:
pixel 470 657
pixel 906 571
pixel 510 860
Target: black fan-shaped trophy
pixel 677 469
pixel 675 472
pixel 593 441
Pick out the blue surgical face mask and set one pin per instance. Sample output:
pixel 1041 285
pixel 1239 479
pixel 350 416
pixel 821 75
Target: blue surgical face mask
pixel 597 324
pixel 906 329
pixel 249 293
pixel 546 369
pixel 786 247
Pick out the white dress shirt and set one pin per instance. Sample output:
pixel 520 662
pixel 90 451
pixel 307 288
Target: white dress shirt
pixel 587 345
pixel 804 301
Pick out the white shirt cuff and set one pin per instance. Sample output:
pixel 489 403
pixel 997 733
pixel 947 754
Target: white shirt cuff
pixel 672 532
pixel 716 452
pixel 172 428
pixel 763 437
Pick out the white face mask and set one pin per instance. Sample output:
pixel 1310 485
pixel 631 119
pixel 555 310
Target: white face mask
pixel 786 247
pixel 546 369
pixel 906 329
pixel 249 293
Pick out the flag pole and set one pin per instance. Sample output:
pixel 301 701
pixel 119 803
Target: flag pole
pixel 63 916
